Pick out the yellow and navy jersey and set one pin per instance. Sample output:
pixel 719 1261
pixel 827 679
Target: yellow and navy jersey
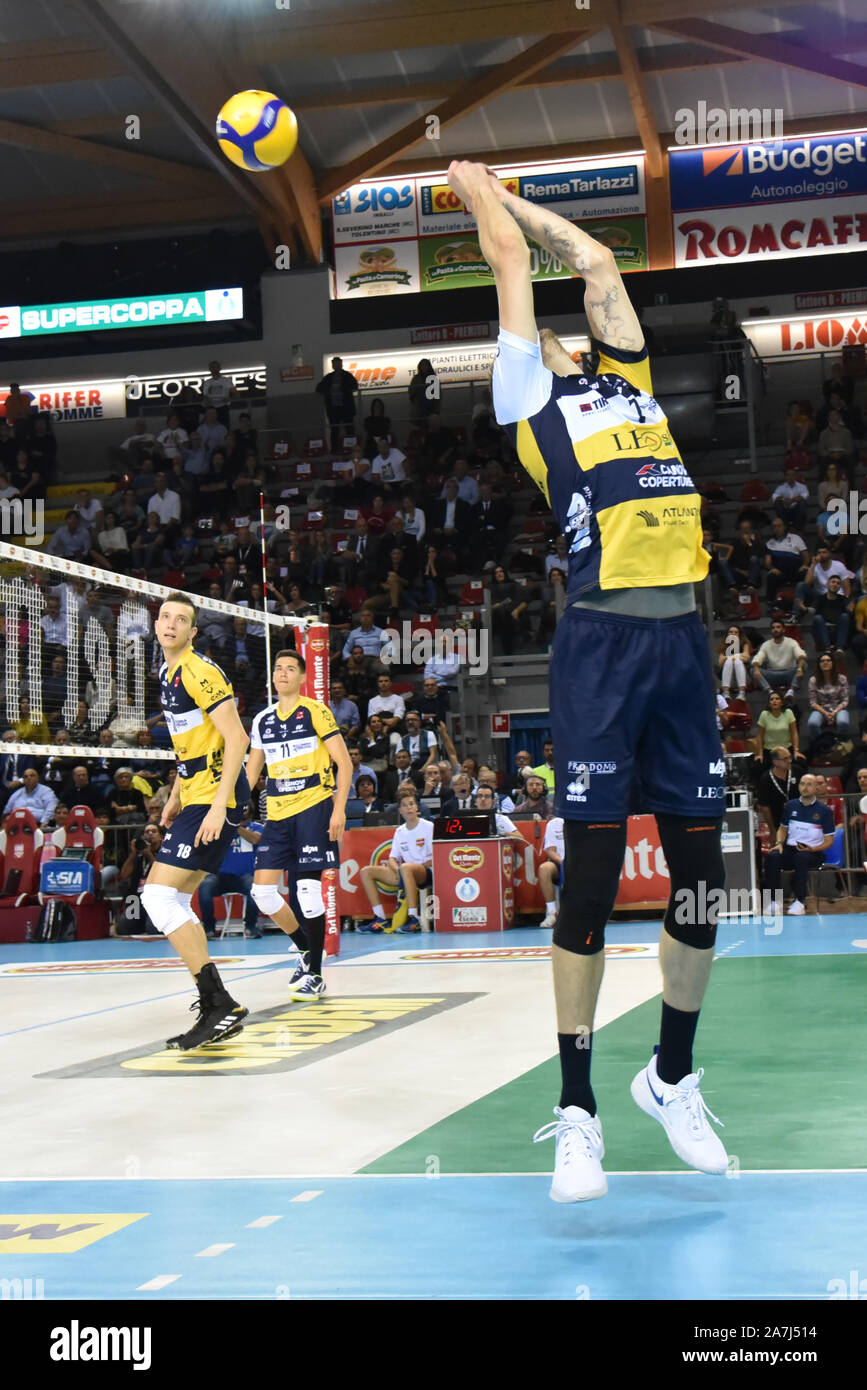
pixel 188 693
pixel 599 447
pixel 297 759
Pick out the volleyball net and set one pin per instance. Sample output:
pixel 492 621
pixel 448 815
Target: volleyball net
pixel 79 660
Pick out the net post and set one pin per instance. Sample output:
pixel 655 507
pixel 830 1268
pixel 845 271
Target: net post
pixel 265 595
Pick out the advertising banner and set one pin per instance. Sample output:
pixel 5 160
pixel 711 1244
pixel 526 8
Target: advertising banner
pixel 801 335
pixel 782 199
pixel 396 368
pixel 402 236
pixel 196 306
pixel 76 400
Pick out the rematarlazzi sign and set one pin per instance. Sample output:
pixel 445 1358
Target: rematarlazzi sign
pixel 152 311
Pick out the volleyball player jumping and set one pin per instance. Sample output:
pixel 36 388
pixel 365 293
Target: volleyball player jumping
pixel 632 703
pixel 206 806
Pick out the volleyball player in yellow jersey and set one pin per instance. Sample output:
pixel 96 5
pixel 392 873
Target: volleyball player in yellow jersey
pixel 297 740
pixel 632 701
pixel 207 804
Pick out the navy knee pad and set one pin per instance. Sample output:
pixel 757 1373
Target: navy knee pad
pixel 693 852
pixel 592 864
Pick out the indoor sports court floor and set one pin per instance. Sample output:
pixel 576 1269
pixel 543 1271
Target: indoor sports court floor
pixel 380 1145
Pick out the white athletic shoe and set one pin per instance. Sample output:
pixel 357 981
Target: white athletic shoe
pixel 681 1110
pixel 550 917
pixel 796 910
pixel 772 908
pixel 578 1174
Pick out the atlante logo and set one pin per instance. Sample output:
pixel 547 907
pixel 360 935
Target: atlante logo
pixel 648 518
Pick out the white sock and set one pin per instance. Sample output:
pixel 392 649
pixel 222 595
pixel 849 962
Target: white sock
pixel 378 911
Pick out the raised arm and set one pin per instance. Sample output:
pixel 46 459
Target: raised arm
pixel 502 243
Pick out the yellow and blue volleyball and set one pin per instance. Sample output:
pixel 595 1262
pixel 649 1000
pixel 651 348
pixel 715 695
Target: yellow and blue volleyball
pixel 256 130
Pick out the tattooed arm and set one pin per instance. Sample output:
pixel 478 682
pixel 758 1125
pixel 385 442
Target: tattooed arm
pixel 503 246
pixel 606 303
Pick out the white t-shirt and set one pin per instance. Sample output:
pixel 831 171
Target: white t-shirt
pixel 413 846
pixel 389 469
pixel 88 511
pixel 217 390
pixel 789 491
pixel 821 577
pixel 554 836
pixel 789 544
pixel 167 507
pixel 414 525
pixel 391 706
pixel 172 441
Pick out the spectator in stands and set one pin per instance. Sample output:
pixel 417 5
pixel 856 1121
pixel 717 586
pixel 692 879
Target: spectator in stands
pixel 42 447
pixel 468 488
pixel 815 582
pixel 89 509
pixel 18 408
pixel 71 540
pixel 375 745
pixel 431 705
pixel 212 431
pixel 125 803
pixel 370 639
pixel 140 442
pixel 798 425
pixel 786 559
pixel 54 690
pixel 358 673
pixel 377 515
pixel 54 623
pixel 436 800
pixel 356 561
pixel 733 656
pixel 535 800
pixel 167 505
pixel 112 544
pixel 420 743
pixel 491 516
pixel 185 486
pixel 377 426
pixel 828 694
pixel 779 662
pixel 386 704
pixel 745 560
pixel 245 440
pixel 502 800
pixel 215 489
pixel 387 467
pixel 147 551
pixel 345 711
pixel 195 458
pixel 833 610
pixel 835 484
pixel 34 797
pixel 838 384
pixel 502 826
pixel 249 484
pixel 13 766
pixel 218 392
pixel 173 438
pixel 358 767
pixel 365 792
pixel 836 444
pixel 424 394
pixel 444 670
pixel 451 521
pixel 338 389
pixel 29 729
pixel 775 787
pixel 507 608
pixel 790 500
pixel 805 834
pixel 130 516
pixel 401 772
pixel 545 770
pixel 412 517
pixel 80 791
pixel 463 789
pixel 776 727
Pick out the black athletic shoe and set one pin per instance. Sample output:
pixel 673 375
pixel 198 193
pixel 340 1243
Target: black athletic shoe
pixel 218 1020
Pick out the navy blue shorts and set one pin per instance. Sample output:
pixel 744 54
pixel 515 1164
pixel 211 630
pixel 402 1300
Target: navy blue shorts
pixel 178 847
pixel 633 717
pixel 299 842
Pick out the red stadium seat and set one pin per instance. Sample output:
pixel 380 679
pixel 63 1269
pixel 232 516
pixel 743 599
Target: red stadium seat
pixel 314 521
pixel 755 491
pixel 740 720
pixel 80 832
pixel 472 593
pixel 21 847
pixel 749 607
pixel 314 448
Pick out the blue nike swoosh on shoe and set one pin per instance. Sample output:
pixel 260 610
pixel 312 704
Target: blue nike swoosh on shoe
pixel 657 1098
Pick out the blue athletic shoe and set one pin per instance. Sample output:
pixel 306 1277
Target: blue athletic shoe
pixel 376 924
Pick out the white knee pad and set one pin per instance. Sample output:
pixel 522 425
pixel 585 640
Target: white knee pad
pixel 167 908
pixel 267 898
pixel 309 892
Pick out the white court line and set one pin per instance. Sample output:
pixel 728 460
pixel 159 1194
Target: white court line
pixel 262 1221
pixel 300 1177
pixel 158 1283
pixel 306 1196
pixel 211 1250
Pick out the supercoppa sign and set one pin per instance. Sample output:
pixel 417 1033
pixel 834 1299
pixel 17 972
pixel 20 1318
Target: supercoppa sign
pixel 153 311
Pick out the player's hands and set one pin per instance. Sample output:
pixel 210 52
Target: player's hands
pixel 467 179
pixel 170 813
pixel 337 825
pixel 211 827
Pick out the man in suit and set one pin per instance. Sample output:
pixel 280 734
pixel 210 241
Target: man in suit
pixel 357 562
pixel 490 518
pixel 396 538
pixel 12 769
pixel 451 522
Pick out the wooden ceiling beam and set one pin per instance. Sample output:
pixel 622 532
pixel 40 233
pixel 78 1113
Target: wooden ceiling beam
pixel 107 156
pixel 638 99
pixel 471 95
pixel 767 48
pixel 50 217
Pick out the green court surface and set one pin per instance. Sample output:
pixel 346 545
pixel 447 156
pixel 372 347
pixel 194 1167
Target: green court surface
pixel 783 1041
